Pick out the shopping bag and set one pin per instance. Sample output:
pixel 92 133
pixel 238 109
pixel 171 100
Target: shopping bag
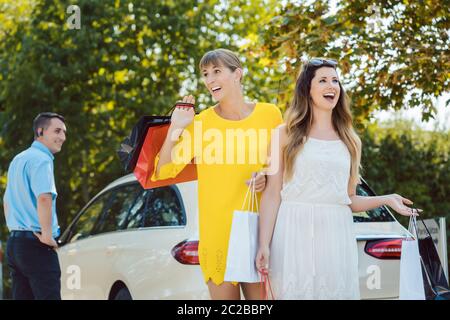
pixel 435 282
pixel 130 147
pixel 243 241
pixel 411 278
pixel 421 274
pixel 145 165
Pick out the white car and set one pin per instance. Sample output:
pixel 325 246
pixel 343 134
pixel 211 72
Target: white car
pixel 131 243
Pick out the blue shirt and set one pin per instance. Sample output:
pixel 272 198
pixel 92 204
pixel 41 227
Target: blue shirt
pixel 30 174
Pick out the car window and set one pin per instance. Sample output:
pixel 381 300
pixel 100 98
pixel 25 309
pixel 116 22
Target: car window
pixel 164 208
pixel 380 214
pixel 115 214
pixel 89 217
pixel 135 215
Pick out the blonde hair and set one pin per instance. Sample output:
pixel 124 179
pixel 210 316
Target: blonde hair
pixel 221 56
pixel 299 119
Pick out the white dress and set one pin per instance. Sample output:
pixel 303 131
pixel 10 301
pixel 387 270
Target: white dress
pixel 314 251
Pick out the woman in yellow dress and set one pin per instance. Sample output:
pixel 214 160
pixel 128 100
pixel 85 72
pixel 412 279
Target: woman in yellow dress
pixel 229 142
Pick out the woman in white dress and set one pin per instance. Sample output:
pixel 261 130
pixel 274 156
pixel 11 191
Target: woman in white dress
pixel 306 222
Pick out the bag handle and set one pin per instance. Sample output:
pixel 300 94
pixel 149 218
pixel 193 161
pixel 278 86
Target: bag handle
pixel 266 288
pixel 426 228
pixel 413 222
pixel 412 227
pixel 253 197
pixel 179 103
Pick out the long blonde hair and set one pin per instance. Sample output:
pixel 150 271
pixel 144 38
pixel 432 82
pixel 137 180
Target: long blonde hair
pixel 299 119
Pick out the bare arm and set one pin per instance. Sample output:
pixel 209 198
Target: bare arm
pixel 5 209
pixel 361 203
pixel 395 201
pixel 44 209
pixel 165 154
pixel 271 198
pixel 181 118
pixel 270 202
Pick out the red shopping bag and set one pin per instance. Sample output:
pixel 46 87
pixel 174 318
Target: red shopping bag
pixel 146 162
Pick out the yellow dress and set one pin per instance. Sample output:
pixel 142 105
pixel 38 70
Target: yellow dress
pixel 226 153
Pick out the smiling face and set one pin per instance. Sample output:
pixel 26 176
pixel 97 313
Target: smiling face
pixel 325 89
pixel 220 80
pixel 53 136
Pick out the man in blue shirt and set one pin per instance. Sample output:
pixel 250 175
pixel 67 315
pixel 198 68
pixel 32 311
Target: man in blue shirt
pixel 30 212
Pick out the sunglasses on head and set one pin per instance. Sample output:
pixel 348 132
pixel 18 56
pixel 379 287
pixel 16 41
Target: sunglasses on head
pixel 319 62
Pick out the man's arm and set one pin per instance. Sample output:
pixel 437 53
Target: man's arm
pixel 44 209
pixel 43 187
pixel 5 209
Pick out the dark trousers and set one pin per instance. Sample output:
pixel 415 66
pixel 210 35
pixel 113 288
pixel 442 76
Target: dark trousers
pixel 35 269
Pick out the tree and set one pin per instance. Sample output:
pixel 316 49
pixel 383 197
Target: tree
pixel 128 59
pixel 392 54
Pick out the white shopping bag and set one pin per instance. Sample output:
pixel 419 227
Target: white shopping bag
pixel 411 277
pixel 243 243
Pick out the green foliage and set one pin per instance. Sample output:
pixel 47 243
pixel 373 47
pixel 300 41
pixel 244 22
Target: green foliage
pixel 401 158
pixel 392 54
pixel 411 162
pixel 127 60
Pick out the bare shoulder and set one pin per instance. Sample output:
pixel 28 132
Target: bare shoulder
pixel 282 129
pixel 281 132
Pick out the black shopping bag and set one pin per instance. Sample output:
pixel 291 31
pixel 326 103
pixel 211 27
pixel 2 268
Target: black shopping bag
pixel 131 146
pixel 435 283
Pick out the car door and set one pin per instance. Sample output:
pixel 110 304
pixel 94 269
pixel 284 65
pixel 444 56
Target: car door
pixel 91 248
pixel 146 263
pixel 106 241
pixel 75 262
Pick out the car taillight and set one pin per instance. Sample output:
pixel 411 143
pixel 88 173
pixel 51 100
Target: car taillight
pixel 386 249
pixel 186 252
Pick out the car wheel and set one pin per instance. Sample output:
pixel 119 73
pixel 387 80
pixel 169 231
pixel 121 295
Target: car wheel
pixel 123 294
